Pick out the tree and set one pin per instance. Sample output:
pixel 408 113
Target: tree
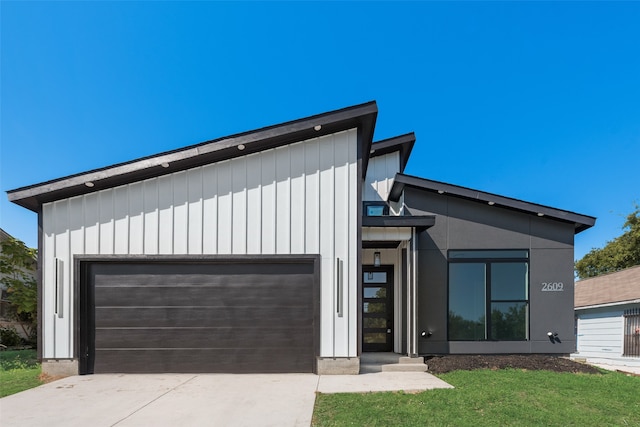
pixel 17 268
pixel 618 254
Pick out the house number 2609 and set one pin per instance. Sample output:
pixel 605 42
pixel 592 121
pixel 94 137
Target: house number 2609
pixel 552 286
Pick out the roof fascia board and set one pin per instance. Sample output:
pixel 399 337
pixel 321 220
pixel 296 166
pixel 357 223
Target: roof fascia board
pixel 402 143
pixel 609 304
pixel 361 116
pixel 581 222
pixel 420 222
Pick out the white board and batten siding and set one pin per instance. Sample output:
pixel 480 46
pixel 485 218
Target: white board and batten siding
pixel 600 332
pixel 379 180
pixel 296 199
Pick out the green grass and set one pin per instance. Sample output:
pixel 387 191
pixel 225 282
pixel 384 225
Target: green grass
pixel 494 398
pixel 19 370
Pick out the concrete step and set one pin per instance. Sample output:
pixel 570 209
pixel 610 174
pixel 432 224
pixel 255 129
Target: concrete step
pixel 405 367
pixel 390 362
pixel 404 360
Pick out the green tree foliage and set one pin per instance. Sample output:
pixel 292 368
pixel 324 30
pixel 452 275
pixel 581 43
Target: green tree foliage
pixel 17 266
pixel 618 254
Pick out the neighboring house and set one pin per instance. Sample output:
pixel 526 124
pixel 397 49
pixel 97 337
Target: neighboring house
pixel 293 248
pixel 608 318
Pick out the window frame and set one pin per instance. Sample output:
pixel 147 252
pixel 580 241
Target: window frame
pixel 500 257
pixel 383 205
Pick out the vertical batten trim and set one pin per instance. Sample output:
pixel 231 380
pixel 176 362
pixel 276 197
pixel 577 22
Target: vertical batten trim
pixel 246 206
pixel 304 198
pixel 259 203
pixel 332 225
pixel 201 210
pixel 158 227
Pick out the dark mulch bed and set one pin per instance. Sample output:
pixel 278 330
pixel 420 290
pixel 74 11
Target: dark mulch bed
pixel 533 362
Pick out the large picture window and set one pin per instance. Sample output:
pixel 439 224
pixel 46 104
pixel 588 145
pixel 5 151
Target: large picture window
pixel 488 295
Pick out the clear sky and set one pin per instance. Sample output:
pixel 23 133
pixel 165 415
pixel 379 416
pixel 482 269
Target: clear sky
pixel 539 101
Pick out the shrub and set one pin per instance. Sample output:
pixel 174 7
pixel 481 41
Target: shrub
pixel 9 337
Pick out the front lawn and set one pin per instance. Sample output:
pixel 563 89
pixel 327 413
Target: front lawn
pixel 19 370
pixel 508 397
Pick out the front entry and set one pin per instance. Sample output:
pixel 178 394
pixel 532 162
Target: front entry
pixel 377 308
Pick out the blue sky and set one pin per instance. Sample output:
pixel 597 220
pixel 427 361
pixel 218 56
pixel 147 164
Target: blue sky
pixel 539 101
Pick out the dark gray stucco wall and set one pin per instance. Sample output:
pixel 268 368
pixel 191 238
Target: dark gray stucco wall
pixel 462 224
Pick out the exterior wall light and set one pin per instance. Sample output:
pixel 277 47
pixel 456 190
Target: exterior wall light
pixel 317 127
pixel 553 337
pixel 491 203
pixel 440 191
pixel 89 184
pixel 241 147
pixel 164 165
pixel 540 214
pixel 376 259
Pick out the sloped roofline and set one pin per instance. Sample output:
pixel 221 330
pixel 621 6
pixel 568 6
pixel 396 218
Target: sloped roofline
pixel 581 222
pixel 615 288
pixel 402 143
pixel 362 116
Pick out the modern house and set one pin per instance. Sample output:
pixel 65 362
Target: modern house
pixel 608 318
pixel 292 248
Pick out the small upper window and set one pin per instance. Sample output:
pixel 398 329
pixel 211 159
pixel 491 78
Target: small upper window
pixel 376 209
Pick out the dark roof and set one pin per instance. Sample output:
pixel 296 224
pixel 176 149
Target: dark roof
pixel 403 144
pixel 618 287
pixel 420 222
pixel 361 116
pixel 581 222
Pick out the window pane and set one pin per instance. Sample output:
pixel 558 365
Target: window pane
pixel 509 281
pixel 375 210
pixel 375 292
pixel 375 338
pixel 467 300
pixel 489 254
pixel 375 277
pixel 375 307
pixel 509 321
pixel 375 322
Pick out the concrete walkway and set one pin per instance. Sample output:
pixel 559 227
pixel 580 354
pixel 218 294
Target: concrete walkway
pixel 192 400
pixel 635 370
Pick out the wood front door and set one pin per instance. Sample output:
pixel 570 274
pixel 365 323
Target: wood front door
pixel 377 308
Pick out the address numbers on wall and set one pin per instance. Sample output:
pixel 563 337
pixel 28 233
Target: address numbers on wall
pixel 552 286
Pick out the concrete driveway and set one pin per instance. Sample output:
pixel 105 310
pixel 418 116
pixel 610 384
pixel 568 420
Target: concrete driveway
pixel 191 399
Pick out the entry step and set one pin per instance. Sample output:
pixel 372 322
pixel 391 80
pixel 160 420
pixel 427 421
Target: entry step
pixel 405 360
pixel 405 367
pixel 390 362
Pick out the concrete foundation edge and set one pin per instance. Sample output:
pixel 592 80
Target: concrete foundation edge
pixel 60 368
pixel 338 365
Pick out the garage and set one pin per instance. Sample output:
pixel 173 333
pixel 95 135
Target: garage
pixel 234 314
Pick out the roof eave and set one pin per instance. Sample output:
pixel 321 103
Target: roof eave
pixel 581 222
pixel 608 304
pixel 402 144
pixel 361 116
pixel 419 222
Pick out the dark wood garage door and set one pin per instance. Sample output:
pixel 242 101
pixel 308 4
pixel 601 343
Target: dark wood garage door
pixel 234 315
